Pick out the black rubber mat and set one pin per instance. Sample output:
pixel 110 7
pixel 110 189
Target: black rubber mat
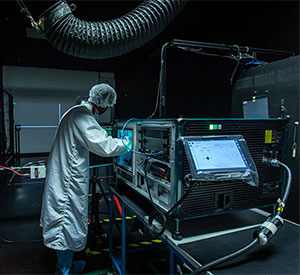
pixel 280 256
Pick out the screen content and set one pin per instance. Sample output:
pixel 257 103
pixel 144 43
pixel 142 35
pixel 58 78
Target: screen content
pixel 126 159
pixel 217 155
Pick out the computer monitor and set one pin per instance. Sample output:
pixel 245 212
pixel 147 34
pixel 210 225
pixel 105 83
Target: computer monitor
pixel 125 160
pixel 216 155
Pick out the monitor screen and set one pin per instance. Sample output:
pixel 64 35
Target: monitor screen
pixel 125 160
pixel 257 108
pixel 216 155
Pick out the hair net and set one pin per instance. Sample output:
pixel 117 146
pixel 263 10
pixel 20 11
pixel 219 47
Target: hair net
pixel 102 95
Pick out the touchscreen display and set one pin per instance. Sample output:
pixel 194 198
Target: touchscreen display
pixel 217 155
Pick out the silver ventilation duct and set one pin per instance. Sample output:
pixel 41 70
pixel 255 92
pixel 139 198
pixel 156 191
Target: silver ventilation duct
pixel 100 40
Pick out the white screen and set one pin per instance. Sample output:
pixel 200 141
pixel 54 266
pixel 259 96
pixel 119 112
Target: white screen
pixel 216 154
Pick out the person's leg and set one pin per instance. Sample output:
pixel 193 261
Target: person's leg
pixel 64 261
pixel 78 267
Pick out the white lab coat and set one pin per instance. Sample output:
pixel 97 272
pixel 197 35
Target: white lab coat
pixel 64 215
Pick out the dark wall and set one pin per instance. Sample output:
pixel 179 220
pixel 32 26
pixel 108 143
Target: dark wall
pixel 136 89
pixel 264 24
pixel 197 86
pixel 280 82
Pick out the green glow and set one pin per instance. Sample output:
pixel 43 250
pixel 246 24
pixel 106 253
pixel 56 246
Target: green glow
pixel 215 127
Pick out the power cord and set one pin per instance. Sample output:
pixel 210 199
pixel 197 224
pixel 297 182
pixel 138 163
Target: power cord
pixel 12 170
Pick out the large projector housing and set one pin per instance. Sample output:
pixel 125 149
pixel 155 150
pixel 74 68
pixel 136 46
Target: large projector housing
pixel 166 172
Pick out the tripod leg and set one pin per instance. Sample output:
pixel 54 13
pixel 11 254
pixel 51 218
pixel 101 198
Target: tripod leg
pixel 96 231
pixel 107 203
pixel 103 193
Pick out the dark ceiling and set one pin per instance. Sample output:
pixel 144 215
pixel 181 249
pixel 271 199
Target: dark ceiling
pixel 263 24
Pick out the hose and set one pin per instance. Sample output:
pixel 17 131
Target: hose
pixel 265 232
pixel 288 187
pixel 100 40
pixel 282 202
pixel 226 258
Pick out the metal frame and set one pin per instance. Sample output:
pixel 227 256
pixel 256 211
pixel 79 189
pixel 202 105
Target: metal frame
pixel 6 153
pixel 177 43
pixel 178 253
pixel 164 125
pixel 119 259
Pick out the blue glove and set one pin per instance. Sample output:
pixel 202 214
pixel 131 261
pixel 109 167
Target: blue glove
pixel 128 142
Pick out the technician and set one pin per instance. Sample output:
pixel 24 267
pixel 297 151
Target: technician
pixel 64 215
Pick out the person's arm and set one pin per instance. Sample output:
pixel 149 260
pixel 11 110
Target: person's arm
pixel 94 138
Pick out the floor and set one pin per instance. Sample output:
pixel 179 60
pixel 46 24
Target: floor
pixel 22 250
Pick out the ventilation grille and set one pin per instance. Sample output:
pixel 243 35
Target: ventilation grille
pixel 203 199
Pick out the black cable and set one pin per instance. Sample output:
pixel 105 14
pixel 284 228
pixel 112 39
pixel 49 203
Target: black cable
pixel 238 58
pixel 235 69
pixel 199 51
pixel 24 10
pixel 15 242
pixel 157 211
pixel 162 74
pixel 243 250
pixel 8 160
pixel 191 187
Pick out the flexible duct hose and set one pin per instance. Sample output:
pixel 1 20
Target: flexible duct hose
pixel 100 40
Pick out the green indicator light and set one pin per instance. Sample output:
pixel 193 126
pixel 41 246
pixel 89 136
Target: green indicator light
pixel 14 103
pixel 215 127
pixel 211 126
